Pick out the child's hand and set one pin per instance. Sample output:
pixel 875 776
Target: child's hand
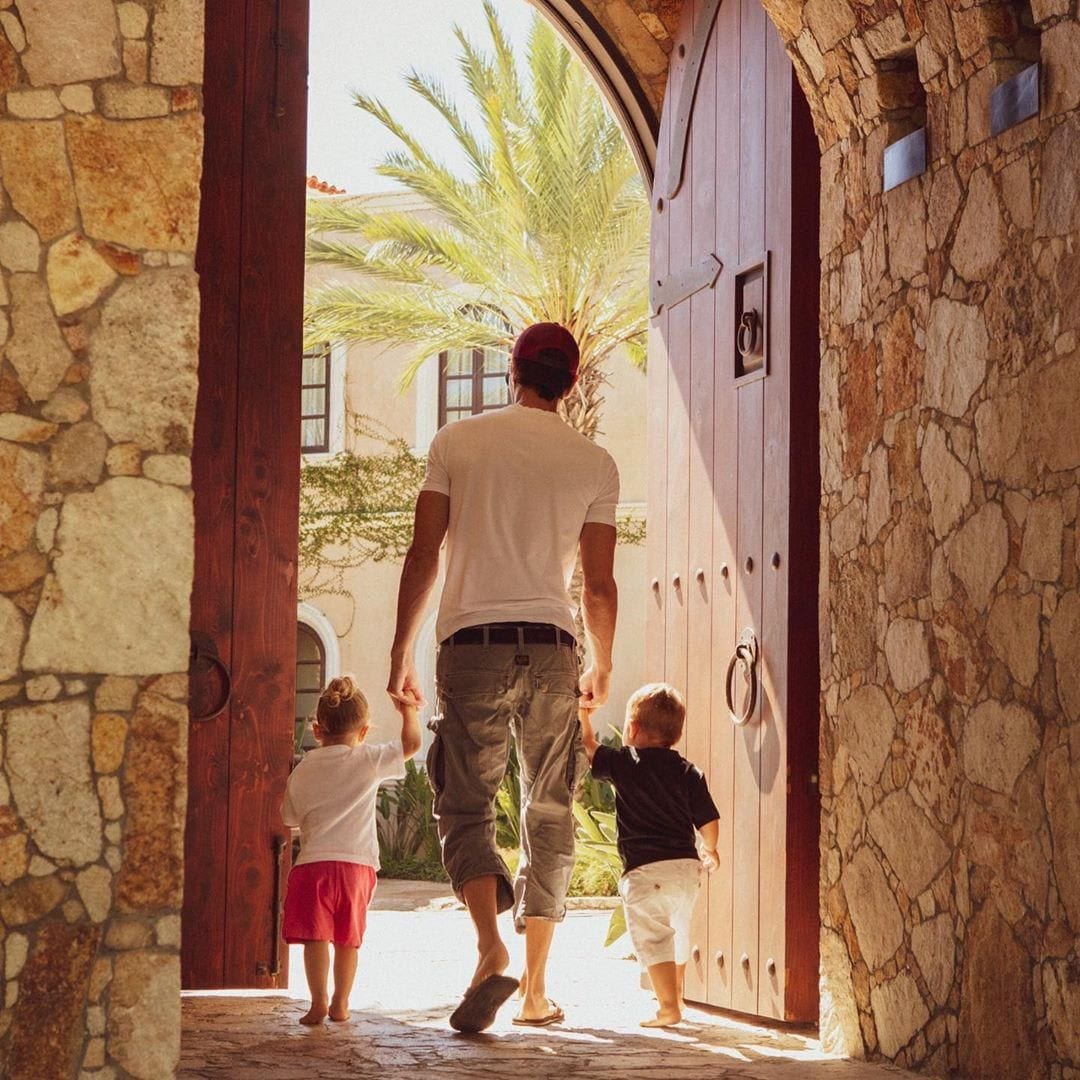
pixel 710 860
pixel 405 703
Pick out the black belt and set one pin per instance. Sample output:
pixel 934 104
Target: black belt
pixel 507 634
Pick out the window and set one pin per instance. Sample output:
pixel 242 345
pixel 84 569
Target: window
pixel 310 678
pixel 471 381
pixel 315 400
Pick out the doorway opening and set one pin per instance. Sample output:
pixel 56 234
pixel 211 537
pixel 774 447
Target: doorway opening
pixel 685 406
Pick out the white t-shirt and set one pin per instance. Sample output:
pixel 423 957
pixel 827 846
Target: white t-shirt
pixel 331 796
pixel 521 483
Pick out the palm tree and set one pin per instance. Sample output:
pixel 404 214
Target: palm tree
pixel 550 224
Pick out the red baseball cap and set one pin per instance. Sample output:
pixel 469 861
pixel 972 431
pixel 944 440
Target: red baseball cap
pixel 547 335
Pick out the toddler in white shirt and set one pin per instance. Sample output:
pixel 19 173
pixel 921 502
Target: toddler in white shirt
pixel 331 797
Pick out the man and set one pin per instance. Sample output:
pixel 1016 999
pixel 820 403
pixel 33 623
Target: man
pixel 517 494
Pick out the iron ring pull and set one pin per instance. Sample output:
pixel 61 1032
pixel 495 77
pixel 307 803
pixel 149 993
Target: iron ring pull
pixel 747 335
pixel 204 649
pixel 746 653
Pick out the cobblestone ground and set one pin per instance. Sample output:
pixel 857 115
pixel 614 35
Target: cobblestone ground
pixel 412 969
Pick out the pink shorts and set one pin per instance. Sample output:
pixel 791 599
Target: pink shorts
pixel 327 901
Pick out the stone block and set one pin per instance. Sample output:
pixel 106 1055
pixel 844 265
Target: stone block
pixel 947 481
pixel 899 1013
pixel 177 57
pixel 37 350
pixel 108 736
pixel 1040 556
pixel 851 288
pixel 77 456
pixel 133 19
pixel 17 427
pixel 28 899
pixel 22 480
pixel 907 654
pixel 105 568
pixel 998 1029
pixel 1065 641
pixel 907 559
pixel 12 636
pixel 956 349
pixel 116 694
pixel 879 927
pixel 36 175
pixel 866 724
pixel 1058 211
pixel 76 273
pixel 909 840
pixel 13 30
pixel 998 744
pixel 944 202
pixel 960 655
pixel 78 99
pixel 1062 793
pixel 43 688
pixel 854 612
pixel 16 950
pixel 94 885
pixel 1061 992
pixel 1016 189
pixel 1013 632
pixel 138 180
pixel 121 101
pixel 980 236
pixel 155 797
pixel 124 459
pixel 998 427
pixel 168 469
pixel 979 552
pixel 1051 403
pixel 48 759
pixel 153 407
pixel 13 860
pixel 69 40
pixel 20 249
pixel 1060 45
pixel 144 1014
pixel 905 214
pixel 47 1030
pixel 65 406
pixel 829 21
pixel 901 363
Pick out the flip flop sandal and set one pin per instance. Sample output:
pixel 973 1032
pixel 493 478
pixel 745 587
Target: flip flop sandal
pixel 480 1005
pixel 554 1017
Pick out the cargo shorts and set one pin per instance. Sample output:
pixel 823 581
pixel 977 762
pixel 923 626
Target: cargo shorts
pixel 483 694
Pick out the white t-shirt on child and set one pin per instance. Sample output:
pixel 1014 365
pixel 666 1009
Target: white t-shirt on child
pixel 331 796
pixel 521 483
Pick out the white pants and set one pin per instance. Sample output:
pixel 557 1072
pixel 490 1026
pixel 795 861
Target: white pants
pixel 659 899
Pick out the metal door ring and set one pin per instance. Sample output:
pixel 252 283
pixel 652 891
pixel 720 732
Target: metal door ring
pixel 746 338
pixel 746 653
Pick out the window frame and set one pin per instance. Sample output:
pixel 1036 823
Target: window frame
pixel 325 351
pixel 476 402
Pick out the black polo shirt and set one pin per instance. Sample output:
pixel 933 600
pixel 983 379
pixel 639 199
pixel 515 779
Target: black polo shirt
pixel 660 798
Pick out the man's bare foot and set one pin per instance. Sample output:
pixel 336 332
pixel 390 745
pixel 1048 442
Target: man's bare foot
pixel 663 1018
pixel 339 1011
pixel 493 962
pixel 315 1015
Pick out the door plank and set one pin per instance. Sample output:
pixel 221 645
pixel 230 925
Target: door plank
pixel 268 482
pixel 775 528
pixel 701 180
pixel 213 469
pixel 722 968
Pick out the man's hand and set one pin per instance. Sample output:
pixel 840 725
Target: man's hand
pixel 595 685
pixel 404 684
pixel 710 860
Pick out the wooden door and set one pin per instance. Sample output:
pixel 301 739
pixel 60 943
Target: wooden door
pixel 245 465
pixel 736 558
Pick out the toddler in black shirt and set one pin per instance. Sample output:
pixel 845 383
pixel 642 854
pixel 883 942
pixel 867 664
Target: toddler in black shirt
pixel 660 800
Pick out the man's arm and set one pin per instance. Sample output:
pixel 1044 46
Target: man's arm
pixel 599 607
pixel 417 580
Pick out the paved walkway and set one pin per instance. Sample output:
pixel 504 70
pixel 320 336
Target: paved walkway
pixel 412 968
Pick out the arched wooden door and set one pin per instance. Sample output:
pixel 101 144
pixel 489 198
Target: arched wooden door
pixel 733 498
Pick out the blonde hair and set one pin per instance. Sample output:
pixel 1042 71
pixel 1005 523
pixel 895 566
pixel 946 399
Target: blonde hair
pixel 659 711
pixel 342 707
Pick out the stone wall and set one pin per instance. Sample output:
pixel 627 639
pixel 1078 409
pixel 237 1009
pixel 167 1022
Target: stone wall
pixel 100 147
pixel 950 631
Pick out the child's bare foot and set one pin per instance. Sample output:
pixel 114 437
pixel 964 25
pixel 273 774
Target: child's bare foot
pixel 663 1018
pixel 493 962
pixel 315 1015
pixel 339 1012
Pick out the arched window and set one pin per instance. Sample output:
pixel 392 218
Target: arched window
pixel 310 680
